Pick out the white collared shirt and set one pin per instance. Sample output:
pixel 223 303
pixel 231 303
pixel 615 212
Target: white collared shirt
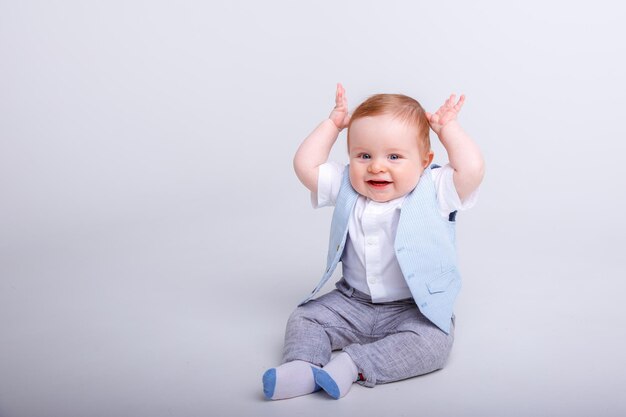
pixel 369 260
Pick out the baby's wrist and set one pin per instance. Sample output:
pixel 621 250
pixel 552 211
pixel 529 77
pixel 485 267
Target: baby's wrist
pixel 333 124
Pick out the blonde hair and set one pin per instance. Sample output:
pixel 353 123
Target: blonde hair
pixel 404 108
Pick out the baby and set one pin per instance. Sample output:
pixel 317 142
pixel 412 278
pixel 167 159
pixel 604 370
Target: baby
pixel 391 314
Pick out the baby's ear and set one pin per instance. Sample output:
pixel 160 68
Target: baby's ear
pixel 428 159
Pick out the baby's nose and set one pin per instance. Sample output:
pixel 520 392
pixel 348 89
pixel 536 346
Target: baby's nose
pixel 376 166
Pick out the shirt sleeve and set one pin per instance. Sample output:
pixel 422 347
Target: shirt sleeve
pixel 328 184
pixel 447 197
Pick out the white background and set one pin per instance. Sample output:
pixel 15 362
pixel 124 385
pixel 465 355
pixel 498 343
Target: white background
pixel 154 238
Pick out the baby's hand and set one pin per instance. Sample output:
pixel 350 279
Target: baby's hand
pixel 340 116
pixel 446 113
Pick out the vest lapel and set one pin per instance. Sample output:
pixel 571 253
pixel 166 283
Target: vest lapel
pixel 344 206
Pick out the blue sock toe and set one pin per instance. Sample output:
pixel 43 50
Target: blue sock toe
pixel 269 383
pixel 324 380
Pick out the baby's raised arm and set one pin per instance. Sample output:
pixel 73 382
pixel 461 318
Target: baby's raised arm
pixel 463 153
pixel 315 149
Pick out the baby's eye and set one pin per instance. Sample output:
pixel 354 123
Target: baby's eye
pixel 394 156
pixel 365 156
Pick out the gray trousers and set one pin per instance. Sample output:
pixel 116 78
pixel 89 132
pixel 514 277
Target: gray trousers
pixel 387 341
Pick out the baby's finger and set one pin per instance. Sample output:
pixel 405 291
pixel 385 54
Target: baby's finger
pixel 338 93
pixel 343 90
pixel 460 103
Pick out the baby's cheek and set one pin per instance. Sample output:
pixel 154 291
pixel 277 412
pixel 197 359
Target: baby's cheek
pixel 355 177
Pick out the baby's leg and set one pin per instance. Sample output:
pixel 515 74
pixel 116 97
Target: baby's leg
pixel 313 331
pixel 328 323
pixel 307 347
pixel 332 322
pixel 416 348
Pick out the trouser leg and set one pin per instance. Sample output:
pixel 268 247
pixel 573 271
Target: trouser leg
pixel 401 355
pixel 328 323
pixel 305 338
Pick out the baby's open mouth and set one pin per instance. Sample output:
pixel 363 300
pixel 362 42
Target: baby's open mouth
pixel 378 184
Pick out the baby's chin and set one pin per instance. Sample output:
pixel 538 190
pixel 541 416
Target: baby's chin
pixel 380 197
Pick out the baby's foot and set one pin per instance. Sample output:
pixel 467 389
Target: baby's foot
pixel 289 380
pixel 337 377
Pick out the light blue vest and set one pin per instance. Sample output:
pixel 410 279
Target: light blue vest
pixel 424 245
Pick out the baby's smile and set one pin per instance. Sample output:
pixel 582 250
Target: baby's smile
pixel 378 184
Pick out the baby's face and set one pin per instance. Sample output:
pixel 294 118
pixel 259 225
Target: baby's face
pixel 385 161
